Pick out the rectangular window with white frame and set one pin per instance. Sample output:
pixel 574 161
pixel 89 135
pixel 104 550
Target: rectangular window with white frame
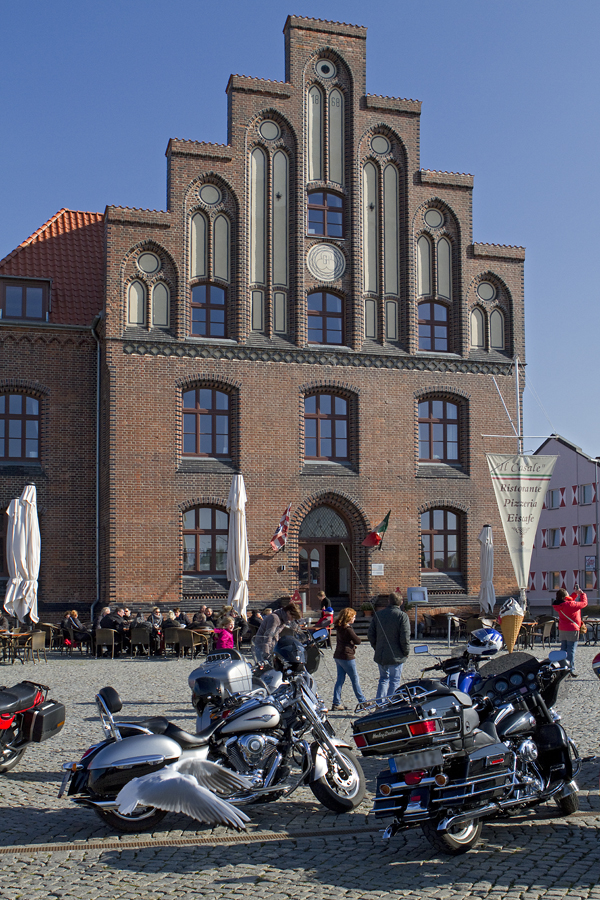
pixel 586 534
pixel 586 581
pixel 553 581
pixel 554 537
pixel 586 494
pixel 553 499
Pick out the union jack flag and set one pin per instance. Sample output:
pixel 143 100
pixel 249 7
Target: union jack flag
pixel 280 536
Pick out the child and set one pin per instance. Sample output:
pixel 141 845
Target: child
pixel 223 637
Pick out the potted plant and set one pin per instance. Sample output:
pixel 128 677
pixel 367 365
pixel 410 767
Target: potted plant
pixel 367 608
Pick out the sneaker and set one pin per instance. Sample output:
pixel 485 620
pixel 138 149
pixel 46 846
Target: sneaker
pixel 339 706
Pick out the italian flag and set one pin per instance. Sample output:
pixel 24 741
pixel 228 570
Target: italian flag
pixel 374 538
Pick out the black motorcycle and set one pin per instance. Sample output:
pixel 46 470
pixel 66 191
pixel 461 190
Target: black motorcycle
pixel 456 760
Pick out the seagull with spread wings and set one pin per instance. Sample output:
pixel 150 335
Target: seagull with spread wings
pixel 187 786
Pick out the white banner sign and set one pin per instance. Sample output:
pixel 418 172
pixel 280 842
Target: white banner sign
pixel 520 484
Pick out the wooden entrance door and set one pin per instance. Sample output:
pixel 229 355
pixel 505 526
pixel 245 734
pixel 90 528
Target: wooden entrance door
pixel 324 566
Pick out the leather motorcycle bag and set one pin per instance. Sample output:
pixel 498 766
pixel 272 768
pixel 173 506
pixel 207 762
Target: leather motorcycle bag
pixel 43 721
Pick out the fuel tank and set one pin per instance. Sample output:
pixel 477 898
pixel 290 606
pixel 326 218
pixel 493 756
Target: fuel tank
pixel 120 761
pixel 254 715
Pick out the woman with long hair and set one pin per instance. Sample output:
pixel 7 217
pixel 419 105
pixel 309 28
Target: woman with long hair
pixel 344 656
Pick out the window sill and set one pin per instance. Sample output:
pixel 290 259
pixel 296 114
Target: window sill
pixel 20 467
pixel 336 347
pixel 198 339
pixel 440 470
pixel 327 467
pixel 205 466
pixel 433 353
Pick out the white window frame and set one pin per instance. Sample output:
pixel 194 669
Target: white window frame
pixel 551 495
pixel 582 533
pixel 553 535
pixel 582 492
pixel 554 581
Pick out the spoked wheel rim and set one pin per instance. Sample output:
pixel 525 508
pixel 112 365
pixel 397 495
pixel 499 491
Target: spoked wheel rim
pixel 138 815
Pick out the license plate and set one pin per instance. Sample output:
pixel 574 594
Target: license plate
pixel 65 782
pixel 423 759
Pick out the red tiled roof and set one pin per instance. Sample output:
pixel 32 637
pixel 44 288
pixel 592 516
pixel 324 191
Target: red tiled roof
pixel 69 249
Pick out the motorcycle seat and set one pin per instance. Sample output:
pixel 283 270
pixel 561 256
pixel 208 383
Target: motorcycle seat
pixel 445 691
pixel 187 740
pixel 18 698
pixel 155 724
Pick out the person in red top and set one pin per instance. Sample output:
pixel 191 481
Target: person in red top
pixel 569 621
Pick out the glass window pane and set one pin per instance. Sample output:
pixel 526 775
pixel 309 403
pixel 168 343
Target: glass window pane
pixel 15 404
pixel 451 411
pixel 310 428
pixel 437 431
pixel 425 311
pixel 217 295
pixel 14 447
pixel 199 293
pixel 451 521
pixel 325 428
pixel 34 302
pixel 222 444
pixel 310 446
pixel 425 521
pixel 316 199
pixel 31 449
pixel 189 552
pixel 437 409
pixel 31 428
pixel 325 404
pixel 439 561
pixel 221 552
pixel 2 423
pixel 424 409
pixel 341 449
pixel 189 424
pixel 316 221
pixel 221 520
pixel 205 545
pixel 438 519
pixel 341 406
pixel 205 518
pixel 189 443
pixel 333 303
pixel 325 447
pixel 32 406
pixel 315 302
pixel 222 424
pixel 334 200
pixel 440 312
pixel 340 428
pixel 14 428
pixel 451 450
pixel 189 520
pixel 310 404
pixel 315 330
pixel 426 551
pixel 2 402
pixel 222 400
pixel 334 331
pixel 13 304
pixel 189 399
pixel 206 444
pixel 452 433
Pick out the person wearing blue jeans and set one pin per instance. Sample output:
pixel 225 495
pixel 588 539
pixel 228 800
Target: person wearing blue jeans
pixel 569 608
pixel 344 656
pixel 389 635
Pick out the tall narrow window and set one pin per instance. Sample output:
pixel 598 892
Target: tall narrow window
pixel 315 134
pixel 136 303
pixel 257 216
pixel 258 310
pixel 205 422
pixel 205 534
pixel 391 320
pixel 198 254
pixel 390 229
pixel 325 318
pixel 370 319
pixel 19 427
pixel 208 311
pixel 280 312
pixel 280 224
pixel 423 266
pixel 477 329
pixel 497 330
pixel 370 214
pixel 336 136
pixel 440 541
pixel 433 327
pixel 326 427
pixel 444 269
pixel 221 248
pixel 160 305
pixel 438 431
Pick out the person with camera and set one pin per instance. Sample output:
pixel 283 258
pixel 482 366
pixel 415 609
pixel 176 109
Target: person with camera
pixel 569 621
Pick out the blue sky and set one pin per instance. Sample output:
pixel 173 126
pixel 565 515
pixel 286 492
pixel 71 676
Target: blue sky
pixel 91 93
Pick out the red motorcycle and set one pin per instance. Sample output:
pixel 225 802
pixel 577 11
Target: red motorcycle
pixel 26 717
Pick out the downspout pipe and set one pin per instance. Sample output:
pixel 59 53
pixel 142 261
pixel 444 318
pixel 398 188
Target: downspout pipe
pixel 97 320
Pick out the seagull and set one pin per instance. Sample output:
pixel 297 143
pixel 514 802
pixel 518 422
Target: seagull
pixel 187 786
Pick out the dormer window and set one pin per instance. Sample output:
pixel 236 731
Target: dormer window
pixel 20 299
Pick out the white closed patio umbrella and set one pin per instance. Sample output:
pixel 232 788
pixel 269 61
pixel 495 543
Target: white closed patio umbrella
pixel 238 559
pixel 23 556
pixel 487 594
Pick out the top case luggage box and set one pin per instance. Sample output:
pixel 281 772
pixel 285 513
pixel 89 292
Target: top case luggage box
pixel 233 672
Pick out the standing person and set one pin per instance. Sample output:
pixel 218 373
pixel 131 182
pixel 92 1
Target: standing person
pixel 345 662
pixel 569 621
pixel 389 635
pixel 272 626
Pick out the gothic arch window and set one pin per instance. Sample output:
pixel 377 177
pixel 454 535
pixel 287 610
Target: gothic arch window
pixel 477 329
pixel 136 303
pixel 424 266
pixel 440 541
pixel 205 534
pixel 497 339
pixel 325 117
pixel 160 305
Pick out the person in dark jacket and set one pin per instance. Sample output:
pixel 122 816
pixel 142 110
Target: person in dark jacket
pixel 272 626
pixel 389 635
pixel 345 662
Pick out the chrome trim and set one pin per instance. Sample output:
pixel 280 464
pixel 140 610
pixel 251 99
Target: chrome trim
pixel 131 761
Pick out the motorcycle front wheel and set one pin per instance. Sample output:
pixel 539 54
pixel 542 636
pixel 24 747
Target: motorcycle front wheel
pixel 10 759
pixel 457 840
pixel 141 819
pixel 338 792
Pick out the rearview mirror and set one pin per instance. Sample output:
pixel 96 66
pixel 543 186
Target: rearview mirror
pixel 557 655
pixel 422 648
pixel 321 635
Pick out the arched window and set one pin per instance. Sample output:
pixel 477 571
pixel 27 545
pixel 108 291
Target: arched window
pixel 208 311
pixel 370 217
pixel 335 131
pixel 444 268
pixel 198 250
pixel 136 303
pixel 19 427
pixel 326 427
pixel 325 318
pixel 424 266
pixel 160 305
pixel 206 423
pixel 438 431
pixel 370 319
pixel 477 328
pixel 325 214
pixel 433 327
pixel 205 530
pixel 497 341
pixel 391 320
pixel 440 541
pixel 315 134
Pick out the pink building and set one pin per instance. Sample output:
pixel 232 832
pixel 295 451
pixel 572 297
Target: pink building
pixel 566 544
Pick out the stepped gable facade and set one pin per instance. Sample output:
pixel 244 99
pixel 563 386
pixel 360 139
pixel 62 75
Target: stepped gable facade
pixel 309 311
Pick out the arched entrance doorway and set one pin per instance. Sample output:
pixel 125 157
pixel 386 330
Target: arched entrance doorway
pixel 324 549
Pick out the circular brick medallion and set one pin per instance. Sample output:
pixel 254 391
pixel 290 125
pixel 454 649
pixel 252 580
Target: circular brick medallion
pixel 210 194
pixel 326 262
pixel 434 218
pixel 270 130
pixel 486 290
pixel 149 263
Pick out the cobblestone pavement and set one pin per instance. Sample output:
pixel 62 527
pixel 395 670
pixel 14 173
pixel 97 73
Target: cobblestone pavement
pixel 296 849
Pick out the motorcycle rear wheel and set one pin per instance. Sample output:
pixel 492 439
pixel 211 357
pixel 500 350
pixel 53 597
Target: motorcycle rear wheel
pixel 143 819
pixel 11 759
pixel 338 792
pixel 458 840
pixel 568 805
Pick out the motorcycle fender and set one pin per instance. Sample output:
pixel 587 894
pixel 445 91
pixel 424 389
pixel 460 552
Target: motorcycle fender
pixel 319 760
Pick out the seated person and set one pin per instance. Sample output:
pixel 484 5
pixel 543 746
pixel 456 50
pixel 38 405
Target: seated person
pixel 156 620
pixel 326 620
pixel 181 617
pixel 200 624
pixel 223 637
pixel 171 622
pixel 139 621
pixel 4 623
pixel 127 616
pixel 103 612
pixel 116 622
pixel 211 617
pixel 254 619
pixel 80 632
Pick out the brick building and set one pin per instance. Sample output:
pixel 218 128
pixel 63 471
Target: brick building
pixel 311 311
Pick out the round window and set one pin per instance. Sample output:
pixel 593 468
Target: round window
pixel 380 144
pixel 486 290
pixel 270 130
pixel 434 218
pixel 149 263
pixel 325 68
pixel 210 194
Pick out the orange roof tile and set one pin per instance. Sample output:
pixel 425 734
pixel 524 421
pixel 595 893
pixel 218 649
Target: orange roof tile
pixel 69 249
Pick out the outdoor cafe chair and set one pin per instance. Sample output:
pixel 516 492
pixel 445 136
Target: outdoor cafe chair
pixel 139 637
pixel 31 647
pixel 172 638
pixel 544 633
pixel 105 637
pixel 52 634
pixel 192 641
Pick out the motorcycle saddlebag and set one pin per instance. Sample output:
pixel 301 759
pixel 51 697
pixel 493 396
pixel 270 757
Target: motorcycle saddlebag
pixel 43 721
pixel 554 757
